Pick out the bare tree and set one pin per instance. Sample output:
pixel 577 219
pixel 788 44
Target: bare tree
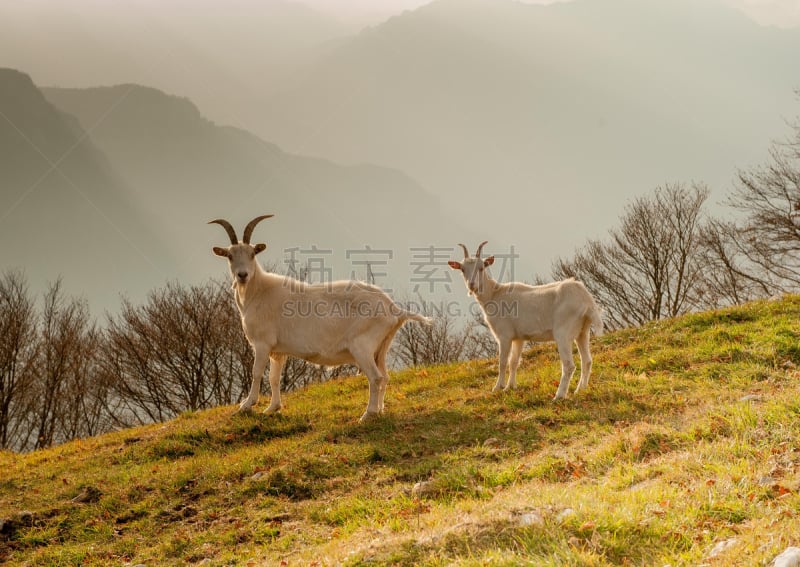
pixel 442 342
pixel 86 410
pixel 67 344
pixel 729 277
pixel 17 356
pixel 768 238
pixel 183 350
pixel 439 342
pixel 649 269
pixel 479 340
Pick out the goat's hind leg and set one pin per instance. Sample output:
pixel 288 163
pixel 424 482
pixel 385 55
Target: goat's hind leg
pixel 276 363
pixel 380 362
pixel 366 362
pixel 567 366
pixel 586 359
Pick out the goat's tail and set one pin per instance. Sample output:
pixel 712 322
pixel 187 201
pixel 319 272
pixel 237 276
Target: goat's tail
pixel 594 317
pixel 411 316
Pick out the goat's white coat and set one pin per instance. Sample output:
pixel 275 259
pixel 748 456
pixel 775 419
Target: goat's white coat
pixel 344 322
pixel 562 311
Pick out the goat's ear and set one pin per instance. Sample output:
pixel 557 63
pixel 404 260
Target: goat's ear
pixel 488 261
pixel 220 251
pixel 260 247
pixel 455 265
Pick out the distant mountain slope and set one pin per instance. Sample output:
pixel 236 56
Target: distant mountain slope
pixel 138 173
pixel 63 209
pixel 547 113
pixel 184 170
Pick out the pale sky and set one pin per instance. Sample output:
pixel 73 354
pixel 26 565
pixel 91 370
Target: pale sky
pixel 781 13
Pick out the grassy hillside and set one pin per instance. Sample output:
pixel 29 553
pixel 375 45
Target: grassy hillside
pixel 688 437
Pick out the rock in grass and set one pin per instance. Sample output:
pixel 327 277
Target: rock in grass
pixel 722 546
pixel 423 488
pixel 530 518
pixel 87 495
pixel 789 558
pixel 751 398
pixel 564 515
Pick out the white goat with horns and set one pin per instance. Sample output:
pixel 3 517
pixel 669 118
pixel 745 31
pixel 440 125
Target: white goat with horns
pixel 343 322
pixel 516 312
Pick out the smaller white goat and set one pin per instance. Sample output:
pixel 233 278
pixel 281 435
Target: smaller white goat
pixel 344 322
pixel 516 312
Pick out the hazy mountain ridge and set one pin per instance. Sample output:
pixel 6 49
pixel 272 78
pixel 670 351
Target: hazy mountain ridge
pixel 157 140
pixel 144 171
pixel 57 182
pixel 532 125
pixel 185 170
pixel 579 105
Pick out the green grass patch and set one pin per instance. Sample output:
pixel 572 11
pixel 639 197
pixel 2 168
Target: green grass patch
pixel 686 436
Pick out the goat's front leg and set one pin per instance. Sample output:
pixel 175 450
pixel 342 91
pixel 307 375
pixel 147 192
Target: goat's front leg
pixel 261 355
pixel 505 349
pixel 276 362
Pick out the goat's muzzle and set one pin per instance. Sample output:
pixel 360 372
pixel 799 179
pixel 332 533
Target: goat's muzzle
pixel 242 277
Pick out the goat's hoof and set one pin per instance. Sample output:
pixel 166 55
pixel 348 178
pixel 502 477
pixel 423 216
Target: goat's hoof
pixel 368 416
pixel 272 409
pixel 243 410
pixel 498 389
pixel 560 398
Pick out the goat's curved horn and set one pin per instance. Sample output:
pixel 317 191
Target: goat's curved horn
pixel 466 252
pixel 228 228
pixel 480 247
pixel 248 230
